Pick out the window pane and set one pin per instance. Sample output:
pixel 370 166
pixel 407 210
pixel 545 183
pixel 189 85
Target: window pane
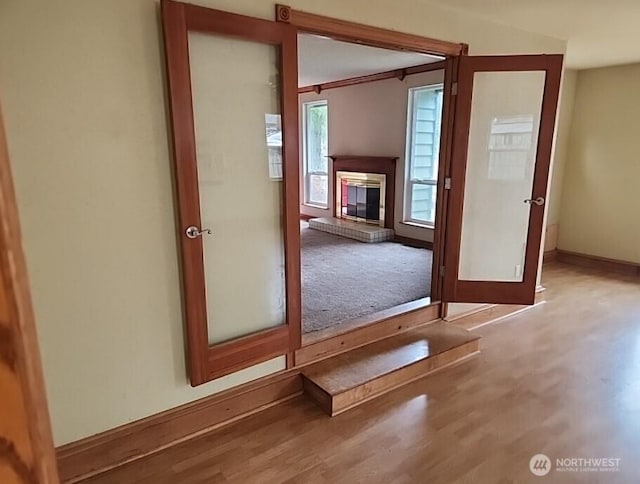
pixel 425 114
pixel 319 189
pixel 317 138
pixel 425 133
pixel 316 149
pixel 423 203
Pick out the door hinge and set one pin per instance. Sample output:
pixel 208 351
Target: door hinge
pixel 447 183
pixel 454 89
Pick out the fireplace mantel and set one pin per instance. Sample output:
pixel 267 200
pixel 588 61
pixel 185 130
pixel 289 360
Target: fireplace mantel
pixel 384 165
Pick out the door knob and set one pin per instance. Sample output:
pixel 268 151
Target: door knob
pixel 194 232
pixel 537 201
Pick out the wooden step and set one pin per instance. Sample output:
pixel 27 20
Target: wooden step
pixel 349 379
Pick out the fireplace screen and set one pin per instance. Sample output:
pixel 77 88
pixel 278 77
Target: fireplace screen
pixel 361 201
pixel 360 197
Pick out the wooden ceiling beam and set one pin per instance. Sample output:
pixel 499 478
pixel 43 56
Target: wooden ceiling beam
pixel 396 73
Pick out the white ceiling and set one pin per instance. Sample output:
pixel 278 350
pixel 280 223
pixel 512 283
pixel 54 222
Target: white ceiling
pixel 599 33
pixel 321 59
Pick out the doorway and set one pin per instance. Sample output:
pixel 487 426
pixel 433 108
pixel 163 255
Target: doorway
pixel 370 134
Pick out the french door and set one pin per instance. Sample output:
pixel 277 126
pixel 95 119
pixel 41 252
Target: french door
pixel 502 141
pixel 234 112
pixel 233 96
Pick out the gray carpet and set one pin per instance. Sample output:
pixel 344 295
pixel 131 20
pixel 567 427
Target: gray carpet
pixel 343 279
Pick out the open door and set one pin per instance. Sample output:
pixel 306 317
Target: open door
pixel 502 141
pixel 234 112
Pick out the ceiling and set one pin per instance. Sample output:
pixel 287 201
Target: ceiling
pixel 321 59
pixel 599 33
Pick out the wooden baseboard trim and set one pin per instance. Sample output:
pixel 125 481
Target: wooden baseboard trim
pixel 599 263
pixel 305 217
pixel 392 321
pixel 411 242
pixel 550 256
pixel 493 313
pixel 113 448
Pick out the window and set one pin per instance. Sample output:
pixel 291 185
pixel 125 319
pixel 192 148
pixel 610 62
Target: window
pixel 315 144
pixel 423 150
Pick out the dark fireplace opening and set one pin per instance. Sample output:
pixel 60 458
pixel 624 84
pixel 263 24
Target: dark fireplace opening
pixel 361 201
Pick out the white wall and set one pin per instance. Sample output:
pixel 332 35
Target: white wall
pixel 82 85
pixel 371 119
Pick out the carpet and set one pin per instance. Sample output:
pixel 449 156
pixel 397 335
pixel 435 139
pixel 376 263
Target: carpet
pixel 343 279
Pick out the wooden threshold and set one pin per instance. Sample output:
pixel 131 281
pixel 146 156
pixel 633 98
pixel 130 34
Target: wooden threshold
pixel 362 321
pixel 107 450
pixel 367 330
pixel 340 383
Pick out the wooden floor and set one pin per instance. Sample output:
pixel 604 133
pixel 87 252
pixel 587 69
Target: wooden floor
pixel 562 379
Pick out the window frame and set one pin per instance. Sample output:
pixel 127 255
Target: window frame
pixel 410 182
pixel 306 174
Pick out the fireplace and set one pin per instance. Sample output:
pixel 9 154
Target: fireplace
pixel 360 197
pixel 364 189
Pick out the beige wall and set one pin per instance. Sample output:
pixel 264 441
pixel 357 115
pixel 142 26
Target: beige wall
pixel 371 119
pixel 82 85
pixel 600 212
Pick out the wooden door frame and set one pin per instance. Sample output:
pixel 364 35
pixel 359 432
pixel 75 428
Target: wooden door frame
pixel 207 362
pixel 444 174
pixel 365 34
pixel 507 292
pixel 26 446
pixel 389 39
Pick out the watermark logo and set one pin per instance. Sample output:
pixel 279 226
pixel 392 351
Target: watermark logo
pixel 591 464
pixel 540 465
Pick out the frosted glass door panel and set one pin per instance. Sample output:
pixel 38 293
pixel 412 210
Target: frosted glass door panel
pixel 236 103
pixel 503 139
